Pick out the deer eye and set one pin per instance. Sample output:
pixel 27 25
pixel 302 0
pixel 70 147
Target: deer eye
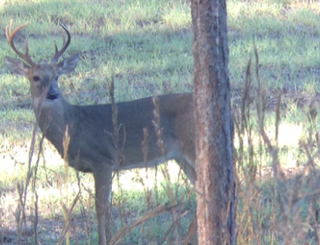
pixel 36 78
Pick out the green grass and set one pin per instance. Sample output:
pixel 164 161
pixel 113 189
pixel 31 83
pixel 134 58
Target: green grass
pixel 147 46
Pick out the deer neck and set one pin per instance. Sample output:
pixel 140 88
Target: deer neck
pixel 51 118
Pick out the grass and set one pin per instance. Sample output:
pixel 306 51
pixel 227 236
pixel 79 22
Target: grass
pixel 147 46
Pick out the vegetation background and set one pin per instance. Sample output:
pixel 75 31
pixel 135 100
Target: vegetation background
pixel 147 47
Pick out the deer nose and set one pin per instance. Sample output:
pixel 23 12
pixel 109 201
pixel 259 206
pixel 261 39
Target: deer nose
pixel 52 94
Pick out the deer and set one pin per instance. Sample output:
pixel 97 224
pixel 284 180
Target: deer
pixel 91 146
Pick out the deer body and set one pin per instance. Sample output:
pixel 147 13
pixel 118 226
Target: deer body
pixel 91 131
pixel 92 146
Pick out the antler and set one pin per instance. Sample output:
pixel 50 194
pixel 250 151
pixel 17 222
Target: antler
pixel 59 53
pixel 11 35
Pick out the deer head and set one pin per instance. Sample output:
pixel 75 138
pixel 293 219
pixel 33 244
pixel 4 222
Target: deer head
pixel 43 78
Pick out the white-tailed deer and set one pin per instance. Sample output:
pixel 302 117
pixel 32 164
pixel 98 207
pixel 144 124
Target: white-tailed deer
pixel 90 128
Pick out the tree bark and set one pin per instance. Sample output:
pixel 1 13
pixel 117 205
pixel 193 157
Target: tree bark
pixel 214 127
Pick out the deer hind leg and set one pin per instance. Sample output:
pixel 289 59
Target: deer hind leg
pixel 188 168
pixel 103 177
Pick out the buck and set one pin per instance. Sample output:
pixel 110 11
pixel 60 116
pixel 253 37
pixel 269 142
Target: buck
pixel 92 147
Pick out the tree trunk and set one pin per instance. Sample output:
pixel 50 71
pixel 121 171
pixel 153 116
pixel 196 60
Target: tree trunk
pixel 214 127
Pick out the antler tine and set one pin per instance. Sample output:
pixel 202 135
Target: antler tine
pixel 66 44
pixel 10 37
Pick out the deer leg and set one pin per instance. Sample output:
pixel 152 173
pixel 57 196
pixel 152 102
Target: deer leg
pixel 192 231
pixel 103 179
pixel 188 168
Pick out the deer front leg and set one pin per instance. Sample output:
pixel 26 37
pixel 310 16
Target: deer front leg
pixel 102 179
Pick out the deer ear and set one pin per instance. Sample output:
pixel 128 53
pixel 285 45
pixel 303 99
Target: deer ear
pixel 17 66
pixel 67 65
